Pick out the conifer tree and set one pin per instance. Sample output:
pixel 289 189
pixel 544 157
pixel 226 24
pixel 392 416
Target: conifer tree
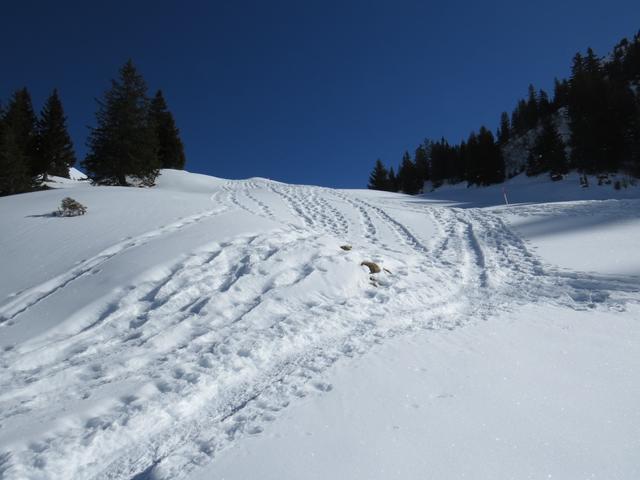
pixel 634 140
pixel 601 113
pixel 495 164
pixel 631 60
pixel 473 161
pixel 21 121
pixel 379 178
pixel 584 87
pixel 544 105
pixel 504 131
pixel 440 161
pixel 393 181
pixel 408 176
pixel 123 144
pixel 560 94
pixel 484 158
pixel 170 148
pixel 422 162
pixel 54 146
pixel 547 154
pixel 519 118
pixel 14 171
pixel 532 114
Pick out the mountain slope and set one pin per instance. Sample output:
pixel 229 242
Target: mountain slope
pixel 145 338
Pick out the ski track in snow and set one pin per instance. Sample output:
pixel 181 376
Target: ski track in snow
pixel 21 301
pixel 230 335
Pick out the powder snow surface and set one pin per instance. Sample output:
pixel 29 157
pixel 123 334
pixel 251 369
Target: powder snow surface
pixel 208 329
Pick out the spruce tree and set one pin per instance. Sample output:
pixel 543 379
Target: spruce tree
pixel 408 176
pixel 379 178
pixel 618 124
pixel 21 121
pixel 440 158
pixel 393 181
pixel 519 123
pixel 560 94
pixel 504 131
pixel 55 149
pixel 422 161
pixel 473 160
pixel 544 105
pixel 601 116
pixel 532 113
pixel 547 154
pixel 486 164
pixel 14 171
pixel 170 148
pixel 585 88
pixel 123 144
pixel 634 140
pixel 631 61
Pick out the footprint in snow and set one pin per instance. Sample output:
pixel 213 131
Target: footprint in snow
pixel 323 387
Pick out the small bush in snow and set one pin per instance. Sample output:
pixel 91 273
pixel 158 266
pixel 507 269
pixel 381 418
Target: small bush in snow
pixel 71 208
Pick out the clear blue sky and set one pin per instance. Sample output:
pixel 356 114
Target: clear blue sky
pixel 305 91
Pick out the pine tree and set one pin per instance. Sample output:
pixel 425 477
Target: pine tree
pixel 519 123
pixel 408 176
pixel 631 61
pixel 422 161
pixel 547 154
pixel 560 94
pixel 484 158
pixel 634 141
pixel 21 121
pixel 473 161
pixel 393 181
pixel 14 171
pixel 618 124
pixel 170 148
pixel 379 178
pixel 55 149
pixel 442 158
pixel 585 88
pixel 123 144
pixel 504 131
pixel 601 116
pixel 544 105
pixel 532 113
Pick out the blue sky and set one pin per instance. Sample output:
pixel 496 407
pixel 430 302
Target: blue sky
pixel 305 91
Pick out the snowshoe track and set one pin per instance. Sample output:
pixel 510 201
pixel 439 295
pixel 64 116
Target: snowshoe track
pixel 220 345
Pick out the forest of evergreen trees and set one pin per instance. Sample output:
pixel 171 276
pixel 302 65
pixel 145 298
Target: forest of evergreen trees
pixel 135 136
pixel 599 104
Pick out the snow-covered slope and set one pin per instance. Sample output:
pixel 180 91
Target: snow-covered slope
pixel 208 328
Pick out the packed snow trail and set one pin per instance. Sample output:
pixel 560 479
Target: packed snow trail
pixel 174 366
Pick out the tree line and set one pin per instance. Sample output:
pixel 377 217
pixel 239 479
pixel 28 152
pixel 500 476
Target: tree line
pixel 599 105
pixel 33 147
pixel 134 137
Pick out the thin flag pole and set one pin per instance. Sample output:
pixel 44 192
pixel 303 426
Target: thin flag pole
pixel 504 194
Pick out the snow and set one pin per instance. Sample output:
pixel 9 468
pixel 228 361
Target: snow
pixel 606 233
pixel 523 189
pixel 75 174
pixel 208 328
pixel 512 398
